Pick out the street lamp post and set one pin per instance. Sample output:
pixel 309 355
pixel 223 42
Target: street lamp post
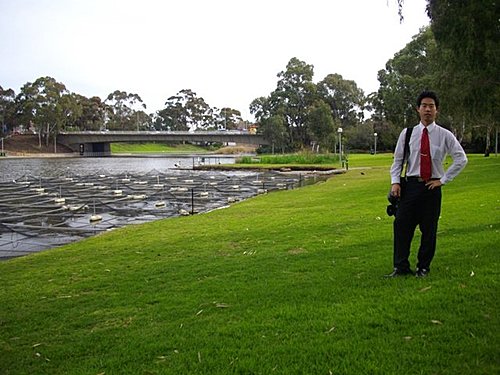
pixel 375 143
pixel 340 143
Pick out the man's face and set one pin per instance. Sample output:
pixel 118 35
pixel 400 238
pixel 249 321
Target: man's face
pixel 427 111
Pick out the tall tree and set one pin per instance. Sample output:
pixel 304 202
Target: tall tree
pixel 260 108
pixel 468 34
pixel 172 117
pixel 294 94
pixel 185 111
pixel 227 118
pixel 200 114
pixel 274 129
pixel 321 125
pixel 124 108
pixel 411 70
pixel 93 113
pixel 7 109
pixel 41 103
pixel 71 110
pixel 344 97
pixel 302 105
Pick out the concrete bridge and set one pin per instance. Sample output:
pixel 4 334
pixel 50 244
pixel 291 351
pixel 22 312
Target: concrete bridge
pixel 98 143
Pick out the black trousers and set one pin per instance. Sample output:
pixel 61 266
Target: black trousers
pixel 418 206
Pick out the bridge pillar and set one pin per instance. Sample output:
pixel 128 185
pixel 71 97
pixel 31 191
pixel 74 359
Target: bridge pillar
pixel 95 149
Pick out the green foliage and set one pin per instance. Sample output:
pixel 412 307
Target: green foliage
pixel 294 93
pixel 48 105
pixel 228 118
pixel 45 103
pixel 462 64
pixel 186 111
pixel 467 35
pixel 275 130
pixel 301 106
pixel 408 73
pixel 321 125
pixel 286 283
pixel 7 110
pixel 345 99
pixel 93 113
pixel 301 158
pixel 121 111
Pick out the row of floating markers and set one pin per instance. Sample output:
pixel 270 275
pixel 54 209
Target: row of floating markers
pixel 117 192
pixel 212 182
pixel 43 215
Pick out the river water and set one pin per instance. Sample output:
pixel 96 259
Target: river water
pixel 14 168
pixel 49 202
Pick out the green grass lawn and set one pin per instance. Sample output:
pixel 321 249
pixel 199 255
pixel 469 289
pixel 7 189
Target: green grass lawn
pixel 285 283
pixel 154 148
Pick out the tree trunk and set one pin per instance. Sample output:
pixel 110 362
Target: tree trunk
pixel 488 142
pixel 496 140
pixel 463 130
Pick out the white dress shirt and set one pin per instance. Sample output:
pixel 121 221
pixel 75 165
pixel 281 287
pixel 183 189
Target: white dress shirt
pixel 442 143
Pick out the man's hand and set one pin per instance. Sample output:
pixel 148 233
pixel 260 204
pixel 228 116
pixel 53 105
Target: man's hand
pixel 396 190
pixel 433 184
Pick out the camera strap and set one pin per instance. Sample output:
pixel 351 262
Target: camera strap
pixel 406 152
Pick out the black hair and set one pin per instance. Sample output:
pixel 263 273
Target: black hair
pixel 428 94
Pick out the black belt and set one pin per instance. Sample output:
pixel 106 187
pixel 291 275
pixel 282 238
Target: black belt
pixel 419 179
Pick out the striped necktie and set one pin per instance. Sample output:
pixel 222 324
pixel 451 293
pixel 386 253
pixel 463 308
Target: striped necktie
pixel 425 157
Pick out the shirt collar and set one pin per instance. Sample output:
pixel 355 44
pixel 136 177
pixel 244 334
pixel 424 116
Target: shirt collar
pixel 429 127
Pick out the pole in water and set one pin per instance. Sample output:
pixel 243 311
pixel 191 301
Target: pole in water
pixel 192 201
pixel 94 218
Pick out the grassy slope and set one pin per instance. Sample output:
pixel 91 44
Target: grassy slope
pixel 144 148
pixel 288 283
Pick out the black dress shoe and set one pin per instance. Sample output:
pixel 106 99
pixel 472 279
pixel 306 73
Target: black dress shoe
pixel 422 272
pixel 398 272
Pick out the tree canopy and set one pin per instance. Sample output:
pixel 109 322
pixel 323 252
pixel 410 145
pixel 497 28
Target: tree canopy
pixel 467 34
pixel 46 107
pixel 308 113
pixel 466 65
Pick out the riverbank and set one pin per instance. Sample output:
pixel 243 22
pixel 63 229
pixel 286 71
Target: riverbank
pixel 319 169
pixel 29 145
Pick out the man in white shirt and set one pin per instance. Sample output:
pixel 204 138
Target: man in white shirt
pixel 420 199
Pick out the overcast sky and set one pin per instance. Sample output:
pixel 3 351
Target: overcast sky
pixel 227 51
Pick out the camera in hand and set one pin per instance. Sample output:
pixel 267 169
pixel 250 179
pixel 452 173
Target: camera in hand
pixel 392 208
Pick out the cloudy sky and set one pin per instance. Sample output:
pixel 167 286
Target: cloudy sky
pixel 227 51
